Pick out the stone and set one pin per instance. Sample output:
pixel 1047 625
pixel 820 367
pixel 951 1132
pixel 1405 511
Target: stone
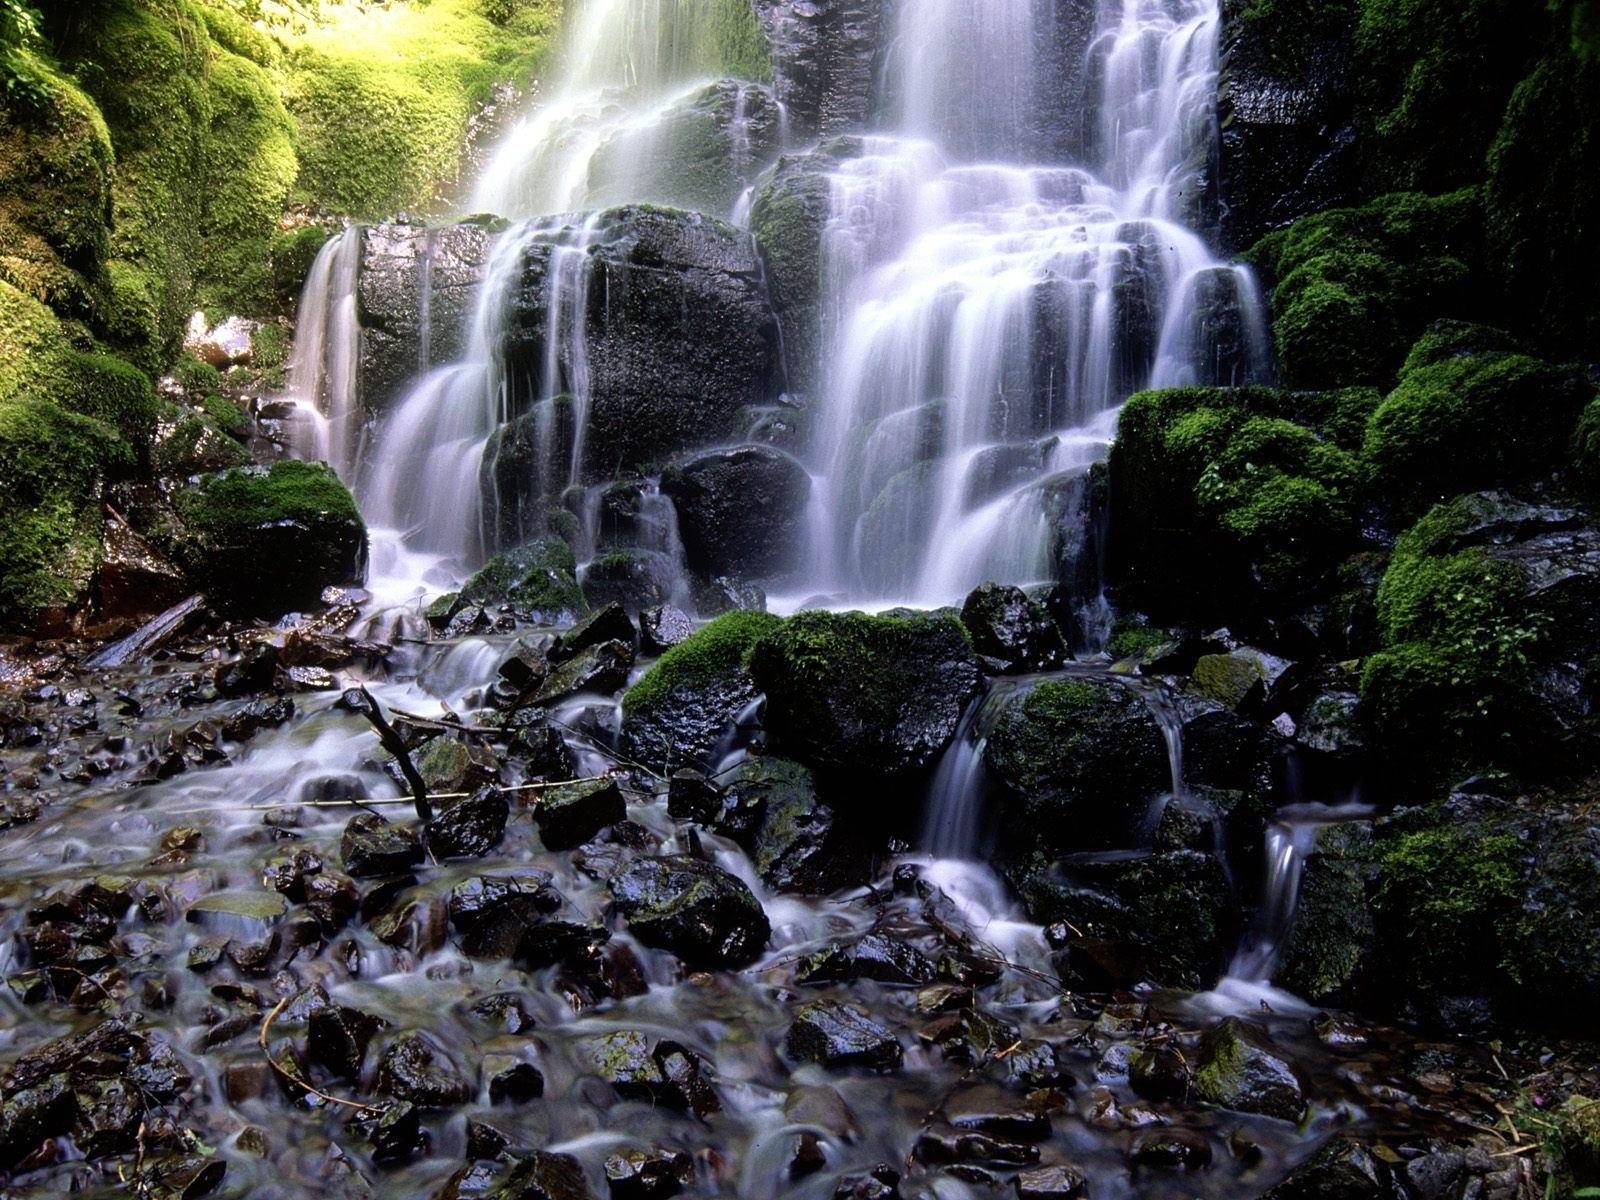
pixel 695 909
pixel 542 751
pixel 945 1145
pixel 1340 1170
pixel 516 1083
pixel 1240 1070
pixel 1159 1072
pixel 398 1135
pixel 648 1174
pixel 412 1069
pixel 801 843
pixel 1172 1149
pixel 470 828
pixel 601 669
pixel 874 956
pixel 1011 629
pixel 608 624
pixel 663 627
pixel 493 913
pixel 543 1176
pixel 372 846
pixel 571 815
pixel 837 1035
pixel 337 1038
pixel 740 511
pixel 1050 1183
pixel 657 1072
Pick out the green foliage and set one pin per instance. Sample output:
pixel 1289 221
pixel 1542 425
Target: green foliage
pixel 226 507
pixel 1462 420
pixel 722 646
pixel 1447 892
pixel 1354 287
pixel 111 391
pixel 1586 448
pixel 53 465
pixel 24 84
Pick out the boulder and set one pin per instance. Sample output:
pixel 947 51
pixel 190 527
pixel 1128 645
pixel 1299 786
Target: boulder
pixel 631 579
pixel 1080 761
pixel 412 1069
pixel 657 1072
pixel 874 695
pixel 1332 954
pixel 1011 629
pixel 875 956
pixel 825 58
pixel 681 712
pixel 607 624
pixel 801 843
pixel 264 541
pixel 538 580
pixel 542 1176
pixel 1340 1170
pixel 838 1035
pixel 1240 1070
pixel 571 815
pixel 663 627
pixel 469 828
pixel 648 1174
pixel 373 846
pixel 693 908
pixel 740 511
pixel 600 669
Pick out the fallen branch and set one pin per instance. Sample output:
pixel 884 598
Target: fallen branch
pixel 362 701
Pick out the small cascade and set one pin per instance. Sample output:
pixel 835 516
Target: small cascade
pixel 322 371
pixel 953 826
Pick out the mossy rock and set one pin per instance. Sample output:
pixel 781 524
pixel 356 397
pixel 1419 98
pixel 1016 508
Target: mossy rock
pixel 1586 448
pixel 538 580
pixel 53 469
pixel 680 711
pixel 190 443
pixel 264 541
pixel 875 696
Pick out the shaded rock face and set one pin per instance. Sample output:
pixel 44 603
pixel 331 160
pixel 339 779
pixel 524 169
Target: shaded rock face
pixel 680 337
pixel 414 295
pixel 740 511
pixel 825 58
pixel 1286 106
pixel 1011 629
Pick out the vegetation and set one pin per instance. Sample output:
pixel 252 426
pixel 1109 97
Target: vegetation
pixel 722 646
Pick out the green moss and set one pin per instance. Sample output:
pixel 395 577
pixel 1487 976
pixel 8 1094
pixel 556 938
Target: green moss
pixel 228 416
pixel 1354 287
pixel 539 578
pixel 53 465
pixel 198 379
pixel 722 645
pixel 1463 422
pixel 1586 447
pixel 225 507
pixel 111 391
pixel 1129 640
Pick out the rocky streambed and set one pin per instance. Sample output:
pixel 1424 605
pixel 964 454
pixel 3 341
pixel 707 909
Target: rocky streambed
pixel 237 961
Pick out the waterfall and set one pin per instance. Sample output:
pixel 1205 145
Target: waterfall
pixel 322 370
pixel 987 318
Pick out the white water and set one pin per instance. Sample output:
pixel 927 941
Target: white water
pixel 990 314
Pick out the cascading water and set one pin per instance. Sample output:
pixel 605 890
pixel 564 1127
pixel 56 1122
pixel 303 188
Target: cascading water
pixel 988 317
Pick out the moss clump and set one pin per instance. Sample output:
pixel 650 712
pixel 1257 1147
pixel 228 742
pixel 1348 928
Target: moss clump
pixel 1461 420
pixel 233 503
pixel 1130 640
pixel 539 579
pixel 53 467
pixel 722 646
pixel 1586 447
pixel 228 416
pixel 1354 287
pixel 111 391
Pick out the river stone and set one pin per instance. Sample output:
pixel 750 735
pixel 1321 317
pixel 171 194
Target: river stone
pixel 469 828
pixel 398 1135
pixel 337 1038
pixel 1011 629
pixel 876 696
pixel 373 846
pixel 1340 1170
pixel 661 1072
pixel 1241 1071
pixel 740 511
pixel 543 1176
pixel 1050 1183
pixel 664 627
pixel 608 624
pixel 874 956
pixel 695 909
pixel 1159 1072
pixel 491 913
pixel 571 815
pixel 648 1174
pixel 412 1069
pixel 601 669
pixel 837 1034
pixel 537 579
pixel 514 1082
pixel 1171 1149
pixel 801 844
pixel 227 911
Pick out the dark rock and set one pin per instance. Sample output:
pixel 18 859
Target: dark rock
pixel 484 1141
pixel 880 1183
pixel 824 59
pixel 1159 1072
pixel 648 1174
pixel 991 1109
pixel 1331 725
pixel 411 1069
pixel 1011 629
pixel 875 695
pixel 516 1083
pixel 337 1038
pixel 1240 1070
pixel 372 846
pixel 1340 1170
pixel 663 627
pixel 725 594
pixel 492 913
pixel 1332 953
pixel 874 956
pixel 633 579
pixel 526 668
pixel 543 1176
pixel 601 669
pixel 537 579
pixel 253 671
pixel 663 1073
pixel 398 1135
pixel 608 624
pixel 740 511
pixel 801 843
pixel 841 1035
pixel 693 797
pixel 32 1115
pixel 1173 1149
pixel 571 815
pixel 543 753
pixel 1050 1183
pixel 469 828
pixel 693 908
pixel 945 1145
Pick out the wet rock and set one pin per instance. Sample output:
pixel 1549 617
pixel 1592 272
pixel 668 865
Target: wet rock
pixel 1050 1183
pixel 372 846
pixel 30 1116
pixel 824 1107
pixel 1245 680
pixel 504 1011
pixel 398 1135
pixel 484 1141
pixel 693 797
pixel 740 511
pixel 571 815
pixel 493 913
pixel 663 627
pixel 514 1083
pixel 648 1174
pixel 608 624
pixel 726 593
pixel 600 669
pixel 526 667
pixel 537 579
pixel 1080 761
pixel 874 695
pixel 841 1035
pixel 469 828
pixel 548 942
pixel 1172 1149
pixel 1332 953
pixel 1240 1070
pixel 945 1145
pixel 1331 725
pixel 874 956
pixel 693 908
pixel 1011 629
pixel 990 1109
pixel 1340 1170
pixel 411 1069
pixel 543 1176
pixel 801 843
pixel 248 915
pixel 337 1038
pixel 880 1183
pixel 332 899
pixel 448 765
pixel 1159 1072
pixel 660 1072
pixel 543 753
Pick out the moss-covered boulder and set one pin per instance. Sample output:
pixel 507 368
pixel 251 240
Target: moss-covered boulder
pixel 1468 414
pixel 1007 626
pixel 680 713
pixel 538 580
pixel 262 541
pixel 802 844
pixel 1080 762
pixel 1353 287
pixel 1332 955
pixel 876 696
pixel 1241 1070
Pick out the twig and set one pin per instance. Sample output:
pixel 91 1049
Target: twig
pixel 361 700
pixel 266 1025
pixel 480 730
